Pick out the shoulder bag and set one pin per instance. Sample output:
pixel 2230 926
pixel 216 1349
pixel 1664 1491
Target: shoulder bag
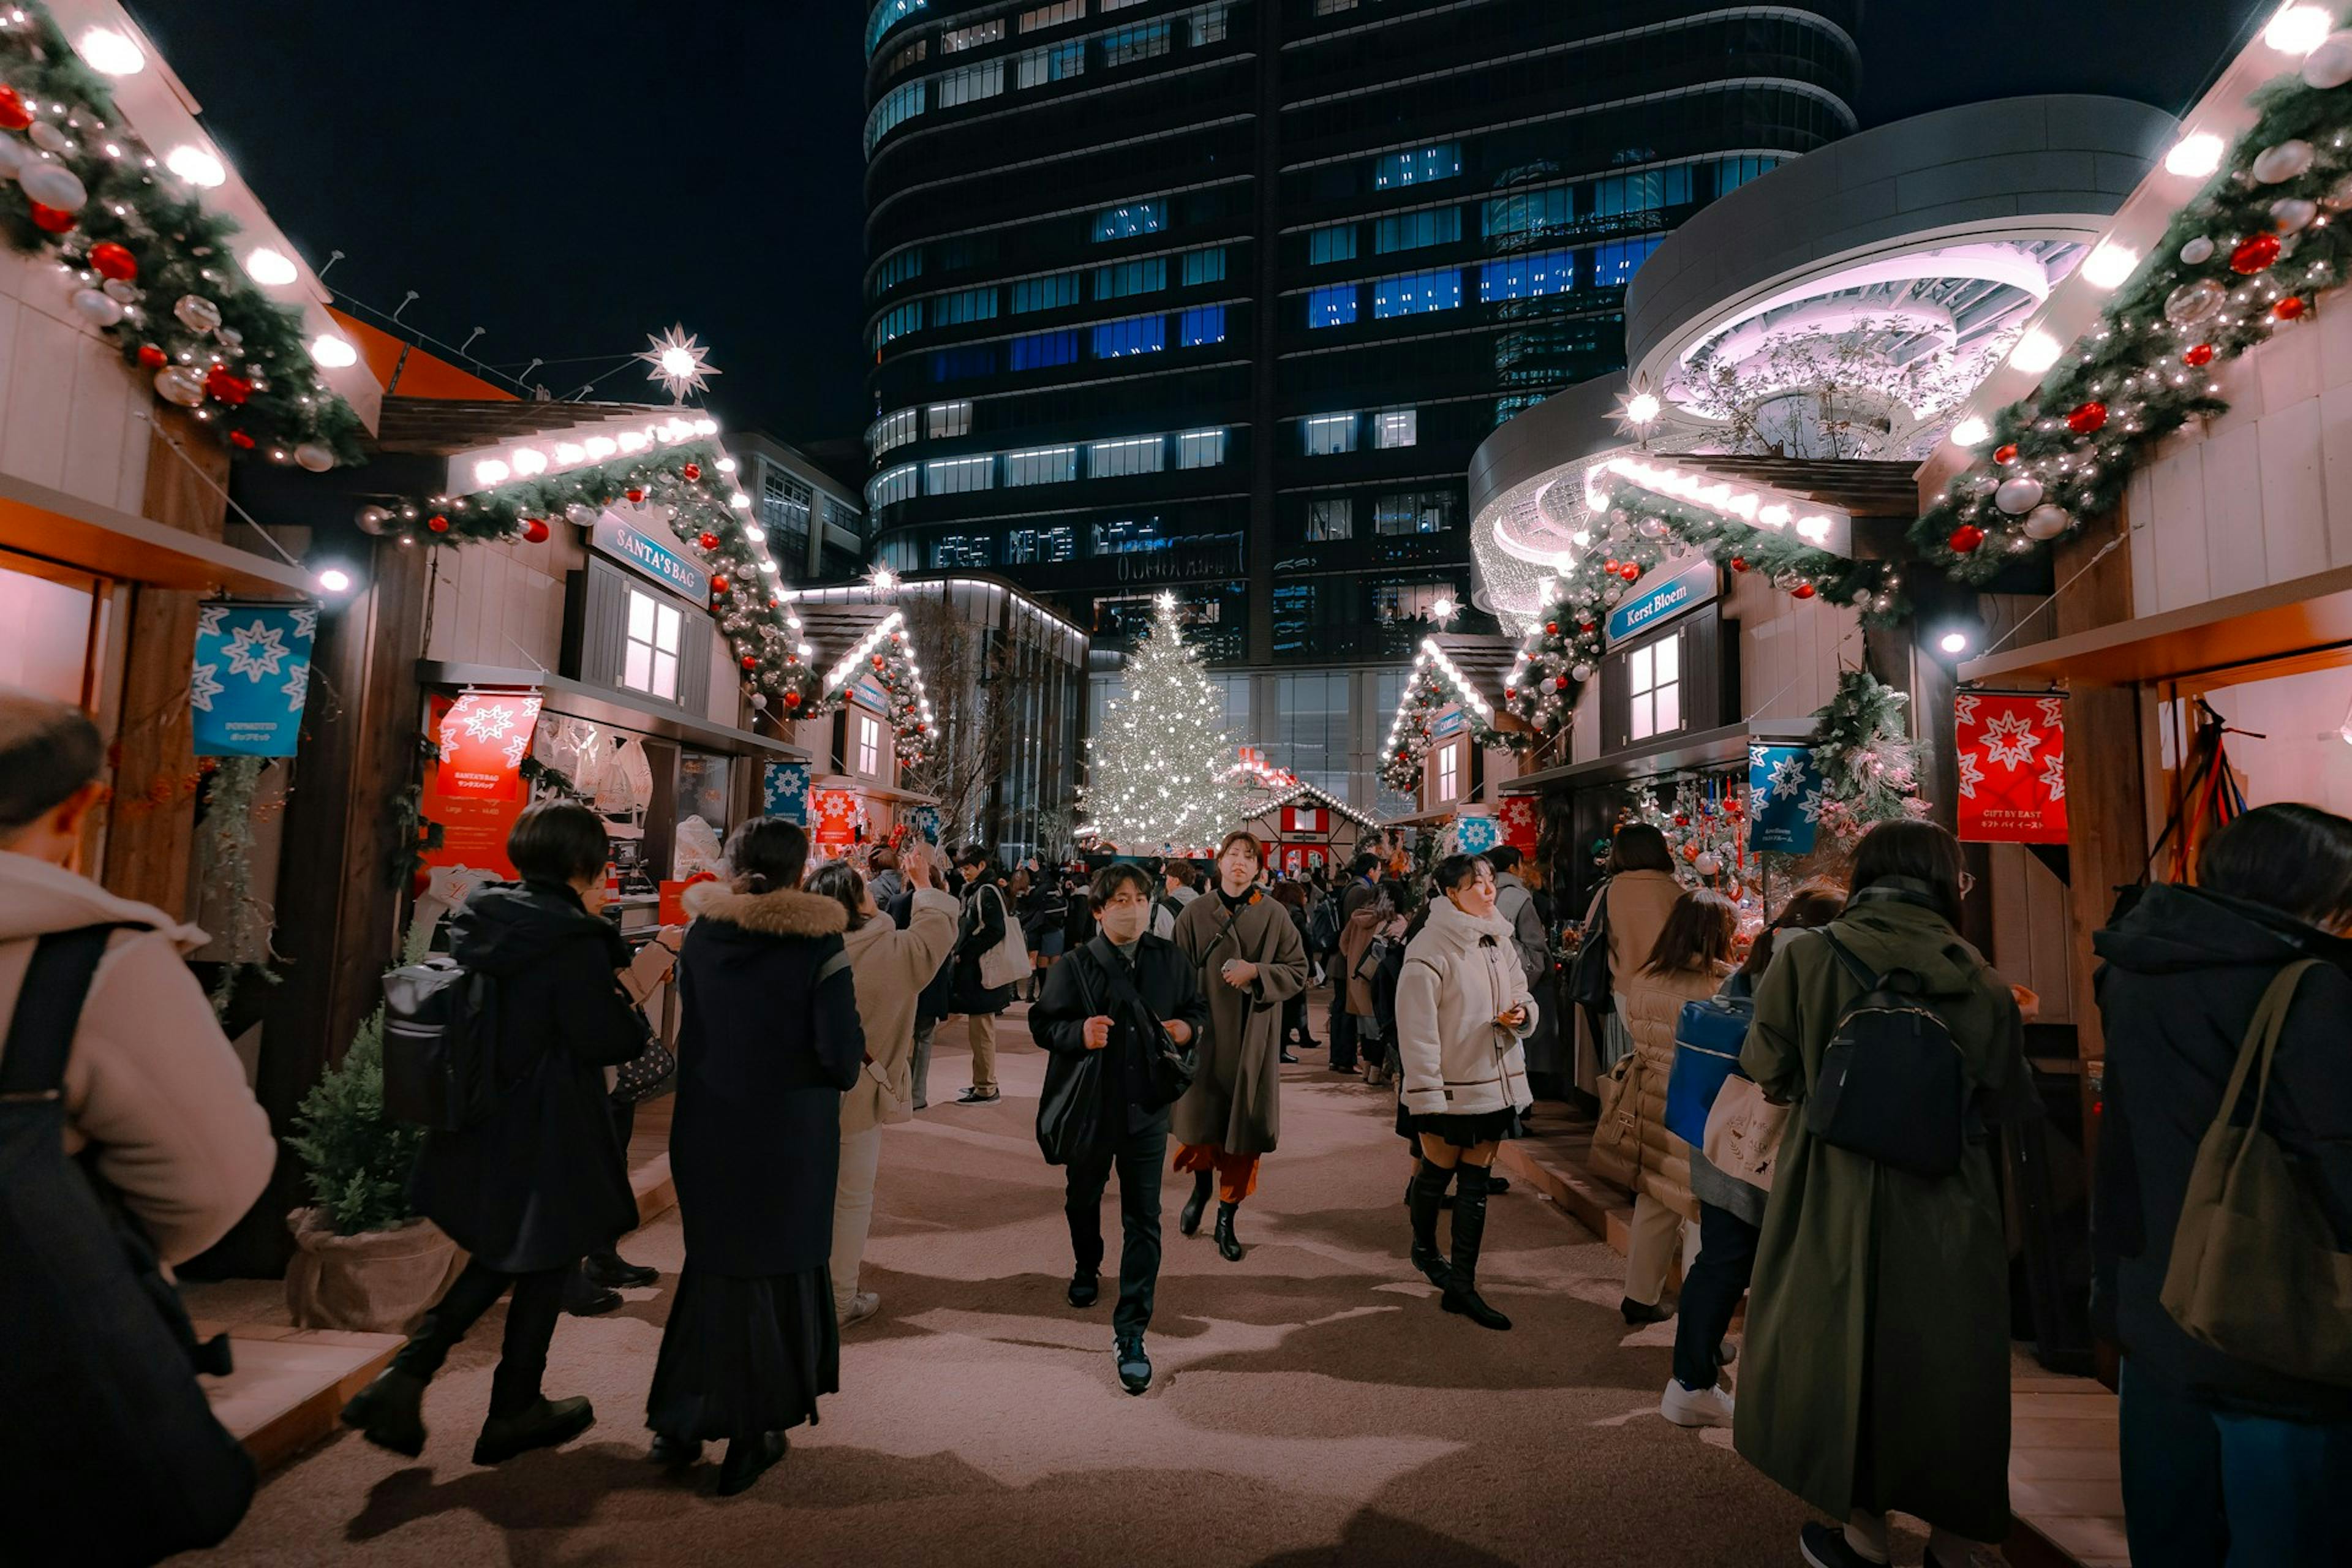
pixel 1070 1122
pixel 1588 981
pixel 1172 1067
pixel 1007 962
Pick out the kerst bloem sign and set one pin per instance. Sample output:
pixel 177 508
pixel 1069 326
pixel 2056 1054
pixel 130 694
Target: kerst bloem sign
pixel 2011 749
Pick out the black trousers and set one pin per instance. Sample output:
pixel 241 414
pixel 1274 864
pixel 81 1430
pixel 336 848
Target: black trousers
pixel 1711 1292
pixel 1342 1023
pixel 1140 1157
pixel 531 1328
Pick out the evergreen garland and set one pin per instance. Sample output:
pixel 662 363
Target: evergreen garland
pixel 1869 766
pixel 224 861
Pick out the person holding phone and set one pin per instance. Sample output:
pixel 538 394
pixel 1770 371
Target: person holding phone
pixel 1125 994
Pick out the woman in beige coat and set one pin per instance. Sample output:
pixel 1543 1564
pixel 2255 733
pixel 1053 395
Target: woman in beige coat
pixel 890 968
pixel 1640 891
pixel 1632 1147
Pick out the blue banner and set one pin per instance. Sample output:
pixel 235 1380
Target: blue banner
pixel 784 792
pixel 926 819
pixel 251 674
pixel 1476 835
pixel 1661 602
pixel 1784 799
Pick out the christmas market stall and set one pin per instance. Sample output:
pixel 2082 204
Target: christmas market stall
pixel 881 726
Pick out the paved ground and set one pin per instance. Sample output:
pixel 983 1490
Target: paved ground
pixel 1314 1405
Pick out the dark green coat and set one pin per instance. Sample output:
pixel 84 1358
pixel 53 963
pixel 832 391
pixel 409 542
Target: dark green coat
pixel 1875 1371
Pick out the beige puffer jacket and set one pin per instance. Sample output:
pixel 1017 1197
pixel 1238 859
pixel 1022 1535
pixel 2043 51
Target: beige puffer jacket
pixel 1632 1147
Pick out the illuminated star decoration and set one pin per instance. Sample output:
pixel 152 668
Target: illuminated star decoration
pixel 679 363
pixel 1638 409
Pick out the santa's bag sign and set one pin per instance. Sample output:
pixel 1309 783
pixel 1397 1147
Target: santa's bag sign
pixel 2011 749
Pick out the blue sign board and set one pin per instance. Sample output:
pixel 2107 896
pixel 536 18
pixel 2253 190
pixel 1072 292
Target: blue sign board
pixel 867 690
pixel 1784 798
pixel 251 674
pixel 784 792
pixel 1475 834
pixel 649 557
pixel 1688 589
pixel 1450 723
pixel 926 819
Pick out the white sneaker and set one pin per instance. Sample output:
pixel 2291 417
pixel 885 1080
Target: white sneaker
pixel 1695 1407
pixel 861 1306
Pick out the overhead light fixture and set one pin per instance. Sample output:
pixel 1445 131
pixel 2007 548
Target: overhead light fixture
pixel 2036 352
pixel 2297 29
pixel 1970 432
pixel 1642 407
pixel 2110 266
pixel 490 471
pixel 335 578
pixel 114 54
pixel 332 351
pixel 196 166
pixel 2195 155
pixel 528 461
pixel 1953 642
pixel 272 267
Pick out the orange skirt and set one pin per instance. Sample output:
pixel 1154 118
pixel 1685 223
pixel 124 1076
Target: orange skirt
pixel 1236 1173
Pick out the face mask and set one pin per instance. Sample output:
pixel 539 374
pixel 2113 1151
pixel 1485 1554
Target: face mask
pixel 1123 923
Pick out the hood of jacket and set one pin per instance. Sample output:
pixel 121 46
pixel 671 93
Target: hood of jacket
pixel 507 927
pixel 1456 931
pixel 2174 929
pixel 1887 934
pixel 784 913
pixel 36 897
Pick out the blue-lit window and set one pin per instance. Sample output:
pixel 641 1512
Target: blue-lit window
pixel 970 305
pixel 892 485
pixel 1039 350
pixel 894 323
pixel 1531 214
pixel 1730 173
pixel 951 550
pixel 1131 537
pixel 961 365
pixel 1416 292
pixel 1135 218
pixel 1122 279
pixel 900 105
pixel 1201 449
pixel 1644 192
pixel 1411 231
pixel 1526 277
pixel 1117 460
pixel 1204 267
pixel 1054 62
pixel 1337 243
pixel 1331 306
pixel 1042 546
pixel 1135 336
pixel 1141 42
pixel 1045 293
pixel 887 15
pixel 1205 325
pixel 898 269
pixel 1418 167
pixel 1614 264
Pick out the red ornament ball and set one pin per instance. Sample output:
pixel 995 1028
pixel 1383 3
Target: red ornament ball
pixel 1739 563
pixel 152 358
pixel 2088 418
pixel 227 388
pixel 877 661
pixel 1610 565
pixel 1559 683
pixel 1510 693
pixel 14 114
pixel 1551 628
pixel 108 259
pixel 1965 537
pixel 751 661
pixel 2254 254
pixel 634 493
pixel 240 441
pixel 1628 570
pixel 1586 626
pixel 51 220
pixel 2005 455
pixel 791 698
pixel 534 530
pixel 1801 591
pixel 708 541
pixel 437 523
pixel 719 584
pixel 2199 356
pixel 692 471
pixel 1681 819
pixel 2290 308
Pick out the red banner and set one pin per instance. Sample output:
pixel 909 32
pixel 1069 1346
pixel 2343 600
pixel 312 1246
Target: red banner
pixel 474 792
pixel 836 820
pixel 2011 755
pixel 1517 814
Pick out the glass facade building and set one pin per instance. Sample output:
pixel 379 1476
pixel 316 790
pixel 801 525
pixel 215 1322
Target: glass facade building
pixel 1225 295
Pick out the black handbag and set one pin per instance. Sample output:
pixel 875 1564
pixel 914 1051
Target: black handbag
pixel 1172 1068
pixel 110 1453
pixel 1589 980
pixel 1070 1124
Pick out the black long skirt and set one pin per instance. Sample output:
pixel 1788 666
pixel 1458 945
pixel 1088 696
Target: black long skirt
pixel 744 1356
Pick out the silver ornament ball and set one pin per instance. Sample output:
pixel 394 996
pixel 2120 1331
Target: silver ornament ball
pixel 2198 252
pixel 2192 302
pixel 53 185
pixel 197 313
pixel 49 137
pixel 580 515
pixel 120 290
pixel 178 383
pixel 96 308
pixel 2289 215
pixel 371 520
pixel 315 456
pixel 2047 521
pixel 2337 197
pixel 2274 165
pixel 1579 673
pixel 2018 496
pixel 2330 65
pixel 15 157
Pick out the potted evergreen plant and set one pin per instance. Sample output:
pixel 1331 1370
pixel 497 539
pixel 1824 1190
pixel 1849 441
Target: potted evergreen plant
pixel 361 1260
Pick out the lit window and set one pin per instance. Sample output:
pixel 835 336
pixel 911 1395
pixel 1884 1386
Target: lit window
pixel 869 745
pixel 1449 773
pixel 1052 15
pixel 1209 25
pixel 1054 62
pixel 1204 325
pixel 912 55
pixel 1409 601
pixel 1614 264
pixel 899 106
pixel 970 305
pixel 1115 459
pixel 944 419
pixel 1042 465
pixel 1200 448
pixel 1412 512
pixel 1334 306
pixel 1040 350
pixel 1047 546
pixel 892 485
pixel 905 264
pixel 903 319
pixel 965 550
pixel 1135 336
pixel 891 430
pixel 1141 42
pixel 1133 219
pixel 951 476
pixel 1396 427
pixel 1417 292
pixel 1204 267
pixel 1045 293
pixel 1418 167
pixel 887 15
pixel 649 653
pixel 1412 231
pixel 972 38
pixel 1125 278
pixel 972 83
pixel 1528 277
pixel 1337 243
pixel 1330 433
pixel 1329 518
pixel 1653 684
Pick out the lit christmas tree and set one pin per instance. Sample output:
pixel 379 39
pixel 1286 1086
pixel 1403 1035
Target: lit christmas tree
pixel 1161 773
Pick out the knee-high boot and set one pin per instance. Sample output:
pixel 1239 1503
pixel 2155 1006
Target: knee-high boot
pixel 1429 1184
pixel 1204 1183
pixel 1469 1232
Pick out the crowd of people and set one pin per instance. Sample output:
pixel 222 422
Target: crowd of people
pixel 1857 1210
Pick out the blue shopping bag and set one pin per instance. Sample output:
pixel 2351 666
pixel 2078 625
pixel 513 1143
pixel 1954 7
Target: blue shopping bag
pixel 1707 1038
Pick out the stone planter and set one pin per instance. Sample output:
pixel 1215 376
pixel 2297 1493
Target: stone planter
pixel 378 1282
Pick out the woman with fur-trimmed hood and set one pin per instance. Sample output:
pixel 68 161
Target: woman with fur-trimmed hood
pixel 769 1040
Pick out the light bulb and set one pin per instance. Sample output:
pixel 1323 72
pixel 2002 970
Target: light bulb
pixel 334 579
pixel 114 54
pixel 2036 352
pixel 196 166
pixel 2296 30
pixel 2195 155
pixel 2110 265
pixel 332 351
pixel 269 267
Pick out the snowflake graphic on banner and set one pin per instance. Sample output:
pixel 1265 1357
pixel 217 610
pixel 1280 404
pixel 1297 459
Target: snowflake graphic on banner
pixel 516 746
pixel 209 619
pixel 306 621
pixel 1964 708
pixel 203 686
pixel 2010 740
pixel 837 805
pixel 491 721
pixel 256 650
pixel 298 685
pixel 2054 777
pixel 1971 775
pixel 1788 776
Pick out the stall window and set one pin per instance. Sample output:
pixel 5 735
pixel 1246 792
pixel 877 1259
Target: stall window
pixel 869 745
pixel 1449 774
pixel 649 659
pixel 1653 682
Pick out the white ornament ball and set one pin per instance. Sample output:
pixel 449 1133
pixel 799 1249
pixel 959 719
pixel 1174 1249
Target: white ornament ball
pixel 2192 302
pixel 13 157
pixel 2337 197
pixel 121 290
pixel 2330 65
pixel 1619 532
pixel 1612 594
pixel 2284 161
pixel 230 339
pixel 178 383
pixel 2018 496
pixel 49 137
pixel 2198 252
pixel 2047 521
pixel 759 700
pixel 1579 673
pixel 315 456
pixel 2291 213
pixel 96 308
pixel 580 515
pixel 372 520
pixel 1651 528
pixel 1707 864
pixel 53 185
pixel 197 313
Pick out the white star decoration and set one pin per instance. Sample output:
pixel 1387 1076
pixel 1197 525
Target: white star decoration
pixel 1809 808
pixel 2053 776
pixel 489 722
pixel 306 621
pixel 209 619
pixel 1788 778
pixel 1964 708
pixel 2010 740
pixel 516 746
pixel 298 686
pixel 202 688
pixel 1971 775
pixel 679 363
pixel 256 651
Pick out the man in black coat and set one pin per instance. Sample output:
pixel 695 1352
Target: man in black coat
pixel 1088 1009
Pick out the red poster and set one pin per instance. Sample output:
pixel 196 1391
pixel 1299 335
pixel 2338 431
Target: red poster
pixel 2011 755
pixel 836 820
pixel 474 792
pixel 1517 816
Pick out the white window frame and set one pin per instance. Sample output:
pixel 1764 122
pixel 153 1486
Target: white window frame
pixel 651 635
pixel 945 419
pixel 1120 459
pixel 1396 427
pixel 1201 449
pixel 1653 686
pixel 954 476
pixel 1449 773
pixel 894 484
pixel 869 745
pixel 894 430
pixel 1041 466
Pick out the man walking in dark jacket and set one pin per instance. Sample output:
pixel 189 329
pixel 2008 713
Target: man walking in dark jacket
pixel 1363 886
pixel 1127 994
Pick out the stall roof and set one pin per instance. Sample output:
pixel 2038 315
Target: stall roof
pixel 1856 485
pixel 1670 754
pixel 1296 792
pixel 2276 621
pixel 601 705
pixel 54 526
pixel 443 426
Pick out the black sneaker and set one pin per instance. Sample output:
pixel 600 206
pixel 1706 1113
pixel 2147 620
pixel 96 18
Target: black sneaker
pixel 1085 1288
pixel 975 1097
pixel 676 1455
pixel 542 1424
pixel 1825 1546
pixel 616 1272
pixel 1134 1366
pixel 583 1298
pixel 748 1458
pixel 390 1412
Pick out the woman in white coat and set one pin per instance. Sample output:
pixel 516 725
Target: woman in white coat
pixel 1463 1014
pixel 890 968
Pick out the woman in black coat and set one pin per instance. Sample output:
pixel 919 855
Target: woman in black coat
pixel 769 1038
pixel 542 1180
pixel 986 910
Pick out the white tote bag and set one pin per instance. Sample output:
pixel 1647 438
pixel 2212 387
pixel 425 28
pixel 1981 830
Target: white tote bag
pixel 1008 962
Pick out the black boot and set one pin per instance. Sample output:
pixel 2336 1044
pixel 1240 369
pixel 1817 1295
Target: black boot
pixel 1469 1230
pixel 583 1298
pixel 390 1412
pixel 1426 1191
pixel 1226 1242
pixel 1189 1222
pixel 676 1455
pixel 615 1272
pixel 748 1459
pixel 542 1424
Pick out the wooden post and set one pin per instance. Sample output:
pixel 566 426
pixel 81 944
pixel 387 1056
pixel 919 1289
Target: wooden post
pixel 2106 792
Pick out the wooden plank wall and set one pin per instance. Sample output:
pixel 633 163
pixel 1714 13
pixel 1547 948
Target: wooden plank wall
pixel 2032 937
pixel 501 603
pixel 1790 651
pixel 71 411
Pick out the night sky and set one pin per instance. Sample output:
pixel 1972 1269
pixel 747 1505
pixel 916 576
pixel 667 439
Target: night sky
pixel 574 175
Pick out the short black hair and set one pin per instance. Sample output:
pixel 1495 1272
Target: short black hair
pixel 839 880
pixel 558 841
pixel 1456 870
pixel 1918 851
pixel 1177 872
pixel 1504 857
pixel 1639 847
pixel 1363 864
pixel 48 750
pixel 1117 875
pixel 2294 859
pixel 974 855
pixel 767 854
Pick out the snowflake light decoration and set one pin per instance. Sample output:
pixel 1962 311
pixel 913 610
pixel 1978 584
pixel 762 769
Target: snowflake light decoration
pixel 679 363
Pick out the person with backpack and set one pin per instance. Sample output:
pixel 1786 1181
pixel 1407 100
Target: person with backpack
pixel 540 1181
pixel 2237 1449
pixel 987 916
pixel 1176 891
pixel 1111 1008
pixel 1874 1375
pixel 1730 1203
pixel 1631 1147
pixel 769 1038
pixel 131 1143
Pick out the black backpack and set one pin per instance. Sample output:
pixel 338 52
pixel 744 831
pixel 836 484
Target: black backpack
pixel 1891 1086
pixel 1323 926
pixel 110 1453
pixel 440 1044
